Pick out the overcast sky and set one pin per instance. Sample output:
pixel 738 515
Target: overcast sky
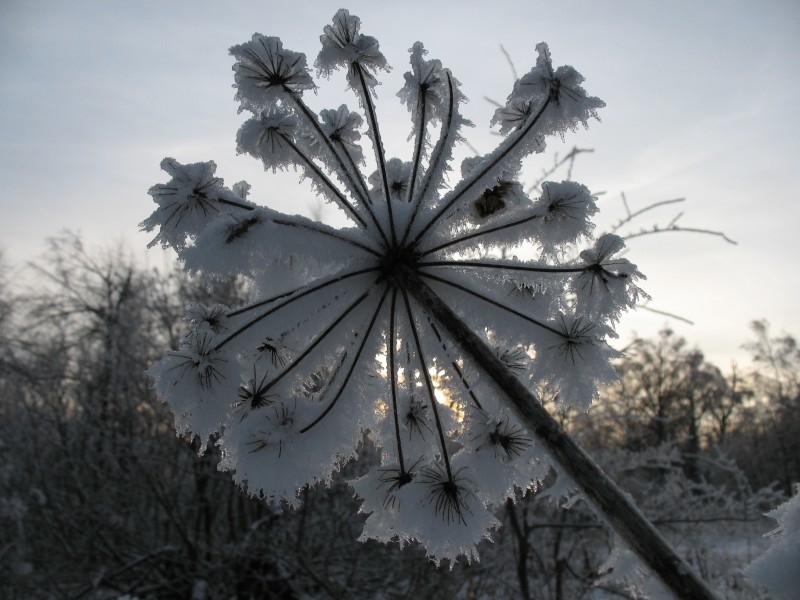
pixel 700 104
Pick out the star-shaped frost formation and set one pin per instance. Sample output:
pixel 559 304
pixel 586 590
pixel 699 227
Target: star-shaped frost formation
pixel 341 340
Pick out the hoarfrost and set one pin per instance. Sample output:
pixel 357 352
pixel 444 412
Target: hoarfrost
pixel 337 341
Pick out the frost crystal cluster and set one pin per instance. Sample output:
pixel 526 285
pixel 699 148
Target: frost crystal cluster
pixel 340 340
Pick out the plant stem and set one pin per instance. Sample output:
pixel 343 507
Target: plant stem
pixel 613 504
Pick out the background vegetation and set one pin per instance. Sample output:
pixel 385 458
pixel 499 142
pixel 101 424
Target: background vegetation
pixel 99 499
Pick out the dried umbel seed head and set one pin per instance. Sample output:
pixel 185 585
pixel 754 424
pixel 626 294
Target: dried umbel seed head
pixel 342 338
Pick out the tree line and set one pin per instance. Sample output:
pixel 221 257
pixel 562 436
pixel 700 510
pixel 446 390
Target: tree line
pixel 100 499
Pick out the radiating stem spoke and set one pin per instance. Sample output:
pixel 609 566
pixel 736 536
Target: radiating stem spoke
pixel 500 305
pixel 378 143
pixel 479 233
pixel 235 204
pixel 334 234
pixel 437 161
pixel 350 171
pixel 319 339
pixel 393 378
pixel 363 191
pixel 340 197
pixel 420 140
pixel 295 294
pixel 507 148
pixel 501 266
pixel 429 385
pixel 364 338
pixel 456 367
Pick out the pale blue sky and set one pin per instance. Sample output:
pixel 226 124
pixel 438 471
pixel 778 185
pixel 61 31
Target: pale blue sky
pixel 700 98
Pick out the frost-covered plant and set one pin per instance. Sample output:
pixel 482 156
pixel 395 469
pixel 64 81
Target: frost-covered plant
pixel 406 326
pixel 777 568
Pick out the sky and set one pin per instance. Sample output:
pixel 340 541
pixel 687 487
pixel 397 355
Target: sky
pixel 699 95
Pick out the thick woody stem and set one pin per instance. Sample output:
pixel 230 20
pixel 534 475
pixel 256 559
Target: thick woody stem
pixel 614 505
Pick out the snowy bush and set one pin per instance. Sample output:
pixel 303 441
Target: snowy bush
pixel 354 331
pixel 777 568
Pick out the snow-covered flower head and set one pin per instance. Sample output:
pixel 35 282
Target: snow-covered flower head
pixel 343 45
pixel 406 326
pixel 559 88
pixel 426 87
pixel 270 137
pixel 185 203
pixel 266 72
pixel 342 127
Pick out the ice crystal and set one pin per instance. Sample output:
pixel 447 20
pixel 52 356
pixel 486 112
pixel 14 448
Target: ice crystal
pixel 339 342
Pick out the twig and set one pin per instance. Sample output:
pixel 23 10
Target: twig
pixel 665 313
pixel 89 588
pixel 569 157
pixel 510 62
pixel 676 228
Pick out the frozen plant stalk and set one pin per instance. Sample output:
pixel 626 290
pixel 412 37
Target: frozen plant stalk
pixel 405 326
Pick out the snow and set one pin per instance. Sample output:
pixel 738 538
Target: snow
pixel 778 569
pixel 335 343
